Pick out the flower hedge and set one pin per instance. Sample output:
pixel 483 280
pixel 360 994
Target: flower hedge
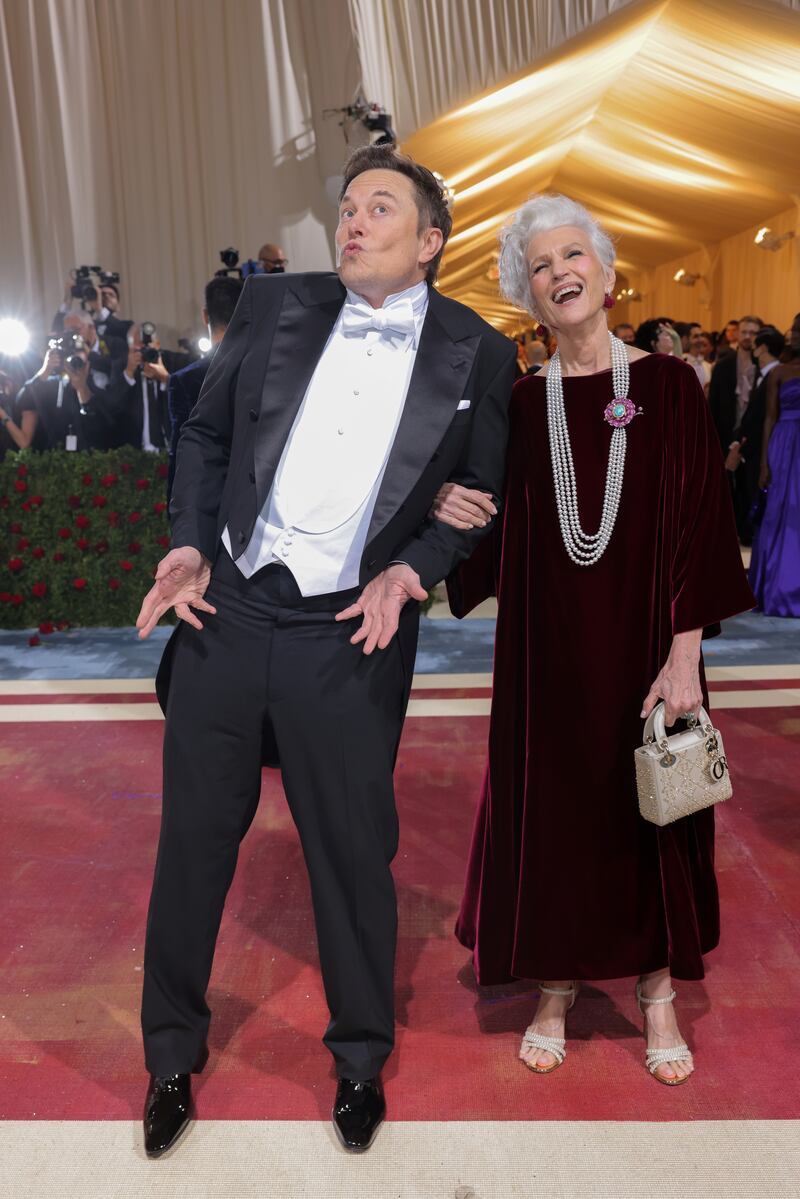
pixel 80 536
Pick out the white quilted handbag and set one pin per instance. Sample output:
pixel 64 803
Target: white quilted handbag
pixel 678 775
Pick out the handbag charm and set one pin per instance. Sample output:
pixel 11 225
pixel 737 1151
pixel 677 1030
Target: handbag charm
pixel 682 774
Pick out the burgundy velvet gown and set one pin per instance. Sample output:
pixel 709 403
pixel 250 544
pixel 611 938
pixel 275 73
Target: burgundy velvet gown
pixel 565 878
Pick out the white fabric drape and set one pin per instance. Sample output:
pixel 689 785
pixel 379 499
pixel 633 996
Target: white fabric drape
pixel 146 135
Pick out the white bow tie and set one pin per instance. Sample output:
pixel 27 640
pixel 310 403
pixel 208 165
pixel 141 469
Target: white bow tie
pixel 398 318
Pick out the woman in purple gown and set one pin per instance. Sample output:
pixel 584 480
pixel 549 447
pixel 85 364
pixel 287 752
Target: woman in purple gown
pixel 775 564
pixel 566 881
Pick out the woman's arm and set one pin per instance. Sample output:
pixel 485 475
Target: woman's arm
pixel 678 681
pixel 773 388
pixel 21 435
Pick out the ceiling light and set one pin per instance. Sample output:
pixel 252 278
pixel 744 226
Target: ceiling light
pixel 765 239
pixel 682 276
pixel 628 294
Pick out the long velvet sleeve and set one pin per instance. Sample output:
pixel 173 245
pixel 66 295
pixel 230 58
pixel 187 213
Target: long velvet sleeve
pixel 707 578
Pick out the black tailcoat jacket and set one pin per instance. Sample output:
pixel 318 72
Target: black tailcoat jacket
pixel 454 427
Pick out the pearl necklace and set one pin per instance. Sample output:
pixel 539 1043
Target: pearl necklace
pixel 587 548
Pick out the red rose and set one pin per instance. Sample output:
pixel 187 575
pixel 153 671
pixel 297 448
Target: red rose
pixel 99 501
pixel 20 485
pixel 126 565
pixel 134 518
pixel 79 584
pixel 23 543
pixel 26 506
pixel 37 552
pixel 126 468
pixel 101 546
pixel 34 640
pixel 87 480
pixel 142 484
pixel 58 557
pixel 134 547
pixel 46 628
pixel 163 539
pixel 16 600
pixel 36 500
pixel 16 527
pixel 39 589
pixel 22 470
pixel 109 480
pixel 82 522
pixel 160 507
pixel 82 543
pixel 65 534
pixel 5 597
pixel 113 584
pixel 113 519
pixel 15 564
pixel 162 471
pixel 74 501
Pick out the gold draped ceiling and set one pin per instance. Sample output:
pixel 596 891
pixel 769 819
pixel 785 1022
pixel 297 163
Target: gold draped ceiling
pixel 677 122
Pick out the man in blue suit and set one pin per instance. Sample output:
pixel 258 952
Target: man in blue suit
pixel 221 296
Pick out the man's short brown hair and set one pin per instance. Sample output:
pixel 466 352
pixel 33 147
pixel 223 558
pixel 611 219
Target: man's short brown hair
pixel 433 211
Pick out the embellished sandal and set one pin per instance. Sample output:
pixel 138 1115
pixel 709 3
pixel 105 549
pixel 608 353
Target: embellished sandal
pixel 656 1057
pixel 557 1046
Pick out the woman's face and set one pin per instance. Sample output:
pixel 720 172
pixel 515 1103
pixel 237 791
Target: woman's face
pixel 663 343
pixel 568 281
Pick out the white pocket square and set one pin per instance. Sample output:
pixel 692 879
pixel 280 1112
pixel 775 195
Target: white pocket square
pixel 462 404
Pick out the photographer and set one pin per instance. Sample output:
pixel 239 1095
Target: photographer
pixel 71 411
pixel 100 304
pixel 17 421
pixel 139 391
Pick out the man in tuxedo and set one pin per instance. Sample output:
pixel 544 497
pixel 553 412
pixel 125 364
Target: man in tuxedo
pixel 732 381
pixel 332 412
pixel 139 392
pixel 183 389
pixel 743 460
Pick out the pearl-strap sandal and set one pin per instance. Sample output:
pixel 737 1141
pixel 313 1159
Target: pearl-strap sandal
pixel 656 1057
pixel 555 1045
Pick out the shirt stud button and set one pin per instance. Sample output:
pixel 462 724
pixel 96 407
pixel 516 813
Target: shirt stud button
pixel 356 391
pixel 370 353
pixel 340 432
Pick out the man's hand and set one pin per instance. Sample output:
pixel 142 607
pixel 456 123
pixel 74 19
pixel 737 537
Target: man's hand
pixel 80 380
pixel 462 508
pixel 155 370
pixel 380 604
pixel 678 682
pixel 181 581
pixel 53 364
pixel 134 361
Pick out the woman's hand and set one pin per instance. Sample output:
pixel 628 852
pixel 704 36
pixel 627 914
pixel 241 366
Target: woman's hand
pixel 462 508
pixel 764 478
pixel 678 682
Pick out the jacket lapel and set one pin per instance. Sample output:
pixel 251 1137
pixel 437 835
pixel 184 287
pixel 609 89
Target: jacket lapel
pixel 307 316
pixel 441 370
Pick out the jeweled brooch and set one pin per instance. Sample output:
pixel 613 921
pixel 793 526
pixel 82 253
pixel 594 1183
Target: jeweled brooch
pixel 620 412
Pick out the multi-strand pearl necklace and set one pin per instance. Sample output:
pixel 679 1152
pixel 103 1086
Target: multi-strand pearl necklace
pixel 587 548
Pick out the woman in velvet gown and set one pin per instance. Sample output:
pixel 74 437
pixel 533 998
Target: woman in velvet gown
pixel 775 564
pixel 566 881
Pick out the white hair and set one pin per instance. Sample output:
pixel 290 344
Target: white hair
pixel 540 214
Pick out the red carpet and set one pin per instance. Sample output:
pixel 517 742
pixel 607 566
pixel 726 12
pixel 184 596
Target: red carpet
pixel 80 812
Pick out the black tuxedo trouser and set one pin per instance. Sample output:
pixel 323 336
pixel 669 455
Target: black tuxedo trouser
pixel 271 656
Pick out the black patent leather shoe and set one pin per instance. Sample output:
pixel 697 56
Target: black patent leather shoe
pixel 167 1112
pixel 358 1113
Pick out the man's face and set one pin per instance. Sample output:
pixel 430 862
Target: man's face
pixel 272 259
pixel 747 333
pixel 109 298
pixel 379 247
pixel 732 332
pixel 697 341
pixel 626 333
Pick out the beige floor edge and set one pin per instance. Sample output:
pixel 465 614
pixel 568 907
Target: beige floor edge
pixel 426 1160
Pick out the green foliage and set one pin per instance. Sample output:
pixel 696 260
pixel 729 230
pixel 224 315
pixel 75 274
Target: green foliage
pixel 80 536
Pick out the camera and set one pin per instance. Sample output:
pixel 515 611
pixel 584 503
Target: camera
pixel 108 278
pixel 230 258
pixel 66 345
pixel 149 351
pixel 83 288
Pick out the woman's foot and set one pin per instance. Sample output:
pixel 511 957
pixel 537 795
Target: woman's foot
pixel 655 995
pixel 548 1027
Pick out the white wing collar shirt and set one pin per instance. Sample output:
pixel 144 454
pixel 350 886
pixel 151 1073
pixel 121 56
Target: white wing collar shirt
pixel 316 517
